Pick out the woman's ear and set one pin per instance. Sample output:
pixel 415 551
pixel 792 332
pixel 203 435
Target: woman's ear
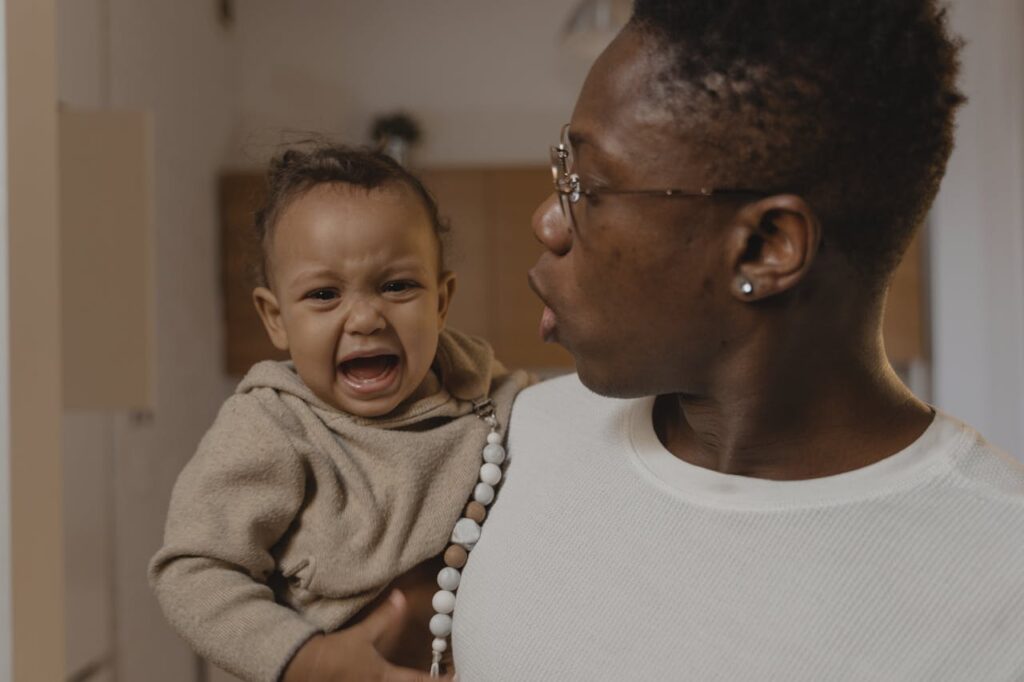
pixel 445 292
pixel 270 312
pixel 772 246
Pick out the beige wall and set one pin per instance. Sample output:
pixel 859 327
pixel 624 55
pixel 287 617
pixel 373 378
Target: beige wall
pixel 35 467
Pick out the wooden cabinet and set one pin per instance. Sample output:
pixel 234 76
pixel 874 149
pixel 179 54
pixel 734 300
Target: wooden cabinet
pixel 245 340
pixel 906 337
pixel 492 249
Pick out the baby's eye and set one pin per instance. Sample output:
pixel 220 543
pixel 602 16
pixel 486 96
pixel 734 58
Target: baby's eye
pixel 324 294
pixel 399 286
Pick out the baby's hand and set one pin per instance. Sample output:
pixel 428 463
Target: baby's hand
pixel 354 654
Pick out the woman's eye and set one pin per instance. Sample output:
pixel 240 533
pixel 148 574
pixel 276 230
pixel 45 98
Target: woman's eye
pixel 322 294
pixel 399 286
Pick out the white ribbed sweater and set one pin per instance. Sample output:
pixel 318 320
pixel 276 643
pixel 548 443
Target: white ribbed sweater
pixel 606 558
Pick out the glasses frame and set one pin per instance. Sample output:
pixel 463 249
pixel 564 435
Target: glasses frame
pixel 570 189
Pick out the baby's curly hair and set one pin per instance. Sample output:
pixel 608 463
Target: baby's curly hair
pixel 850 104
pixel 298 170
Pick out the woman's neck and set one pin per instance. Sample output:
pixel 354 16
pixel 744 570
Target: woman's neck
pixel 798 413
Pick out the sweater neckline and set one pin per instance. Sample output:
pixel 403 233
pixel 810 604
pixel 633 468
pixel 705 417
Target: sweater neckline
pixel 932 452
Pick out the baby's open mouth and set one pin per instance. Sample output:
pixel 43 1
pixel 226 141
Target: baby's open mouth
pixel 368 369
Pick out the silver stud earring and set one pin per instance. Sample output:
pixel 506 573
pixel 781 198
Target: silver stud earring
pixel 746 287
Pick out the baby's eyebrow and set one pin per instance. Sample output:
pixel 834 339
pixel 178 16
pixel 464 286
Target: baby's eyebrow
pixel 304 278
pixel 313 273
pixel 408 263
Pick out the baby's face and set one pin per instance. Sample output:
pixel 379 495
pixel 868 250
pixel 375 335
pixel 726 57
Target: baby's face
pixel 356 295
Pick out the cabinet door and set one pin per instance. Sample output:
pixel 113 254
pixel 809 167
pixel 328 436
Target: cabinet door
pixel 516 195
pixel 462 200
pixel 245 340
pixel 904 323
pixel 493 248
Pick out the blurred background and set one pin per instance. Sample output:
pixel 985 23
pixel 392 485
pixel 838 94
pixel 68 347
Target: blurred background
pixel 135 135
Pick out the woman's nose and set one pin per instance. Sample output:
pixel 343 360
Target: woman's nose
pixel 364 318
pixel 551 226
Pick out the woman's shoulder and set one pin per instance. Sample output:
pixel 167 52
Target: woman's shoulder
pixel 565 392
pixel 564 406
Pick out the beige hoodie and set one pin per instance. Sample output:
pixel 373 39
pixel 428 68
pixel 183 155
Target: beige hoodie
pixel 292 516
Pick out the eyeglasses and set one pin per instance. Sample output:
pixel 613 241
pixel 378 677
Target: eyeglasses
pixel 570 190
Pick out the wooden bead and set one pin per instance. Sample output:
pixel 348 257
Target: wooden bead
pixel 455 556
pixel 475 511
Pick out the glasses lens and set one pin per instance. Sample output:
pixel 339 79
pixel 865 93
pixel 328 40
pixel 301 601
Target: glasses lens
pixel 560 175
pixel 563 201
pixel 557 165
pixel 572 199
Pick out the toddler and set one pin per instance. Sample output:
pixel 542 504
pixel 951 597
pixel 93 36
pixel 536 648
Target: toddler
pixel 326 478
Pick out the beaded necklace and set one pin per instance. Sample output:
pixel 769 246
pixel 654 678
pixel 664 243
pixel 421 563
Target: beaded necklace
pixel 465 535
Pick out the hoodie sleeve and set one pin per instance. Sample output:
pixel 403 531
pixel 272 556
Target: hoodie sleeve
pixel 231 504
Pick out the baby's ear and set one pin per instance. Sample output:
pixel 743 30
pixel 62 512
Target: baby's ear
pixel 270 312
pixel 445 292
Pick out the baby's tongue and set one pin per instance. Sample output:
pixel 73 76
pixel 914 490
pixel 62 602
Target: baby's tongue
pixel 364 369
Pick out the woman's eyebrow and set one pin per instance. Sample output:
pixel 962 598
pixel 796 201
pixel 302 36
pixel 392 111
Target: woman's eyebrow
pixel 581 142
pixel 577 140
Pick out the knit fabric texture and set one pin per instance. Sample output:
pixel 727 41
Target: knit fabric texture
pixel 292 516
pixel 607 558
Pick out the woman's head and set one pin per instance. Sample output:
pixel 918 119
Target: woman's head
pixel 354 285
pixel 841 119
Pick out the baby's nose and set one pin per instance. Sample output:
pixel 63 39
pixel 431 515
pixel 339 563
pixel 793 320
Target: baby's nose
pixel 364 318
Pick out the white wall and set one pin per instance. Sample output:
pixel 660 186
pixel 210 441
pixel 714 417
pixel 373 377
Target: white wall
pixel 978 233
pixel 173 59
pixel 86 436
pixel 487 80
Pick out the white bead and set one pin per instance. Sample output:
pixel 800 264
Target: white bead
pixel 444 601
pixel 494 438
pixel 440 645
pixel 466 533
pixel 449 578
pixel 441 625
pixel 494 453
pixel 483 493
pixel 490 474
